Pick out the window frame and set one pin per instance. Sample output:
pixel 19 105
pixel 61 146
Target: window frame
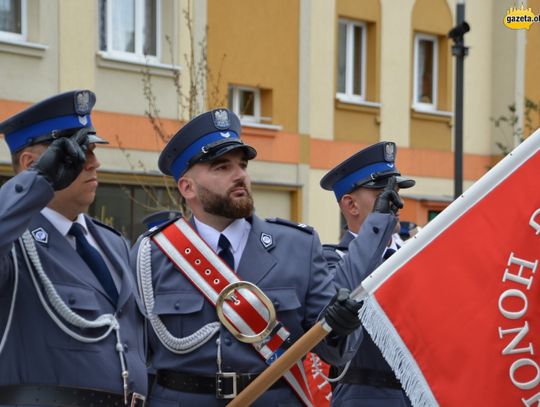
pixel 418 105
pixel 348 95
pixel 236 89
pixel 138 55
pixel 9 36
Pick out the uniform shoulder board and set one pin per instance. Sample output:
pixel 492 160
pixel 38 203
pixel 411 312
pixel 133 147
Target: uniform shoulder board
pixel 156 229
pixel 333 252
pixel 104 225
pixel 303 227
pixel 333 247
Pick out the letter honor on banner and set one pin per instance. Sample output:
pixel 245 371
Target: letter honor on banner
pixel 457 310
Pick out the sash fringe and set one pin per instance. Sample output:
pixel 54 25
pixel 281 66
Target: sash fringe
pixel 385 336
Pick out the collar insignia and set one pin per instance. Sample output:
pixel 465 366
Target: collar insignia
pixel 40 235
pixel 266 240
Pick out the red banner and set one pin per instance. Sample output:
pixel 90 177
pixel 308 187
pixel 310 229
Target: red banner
pixel 316 372
pixel 456 311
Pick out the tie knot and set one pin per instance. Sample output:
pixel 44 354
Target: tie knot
pixel 76 230
pixel 223 243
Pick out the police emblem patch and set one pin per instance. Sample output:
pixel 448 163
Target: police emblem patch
pixel 221 119
pixel 40 235
pixel 266 240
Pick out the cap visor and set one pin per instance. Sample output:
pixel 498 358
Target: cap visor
pixel 402 183
pixel 218 152
pixel 94 138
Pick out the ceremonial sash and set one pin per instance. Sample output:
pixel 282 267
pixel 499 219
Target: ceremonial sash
pixel 246 312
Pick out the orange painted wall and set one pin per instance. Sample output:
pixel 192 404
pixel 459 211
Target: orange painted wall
pixel 135 132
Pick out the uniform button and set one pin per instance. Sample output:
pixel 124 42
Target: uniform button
pixel 177 305
pixel 119 313
pixel 228 341
pixel 18 188
pixel 276 303
pixel 375 229
pixel 125 347
pixel 71 300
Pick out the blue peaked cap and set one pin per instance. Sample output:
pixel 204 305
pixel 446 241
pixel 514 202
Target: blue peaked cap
pixel 157 218
pixel 58 116
pixel 371 167
pixel 203 139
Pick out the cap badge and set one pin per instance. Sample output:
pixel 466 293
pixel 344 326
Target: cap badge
pixel 225 135
pixel 40 235
pixel 83 120
pixel 82 103
pixel 221 119
pixel 389 152
pixel 266 240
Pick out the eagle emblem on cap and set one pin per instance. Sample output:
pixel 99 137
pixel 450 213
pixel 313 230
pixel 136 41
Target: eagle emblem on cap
pixel 221 119
pixel 82 103
pixel 389 152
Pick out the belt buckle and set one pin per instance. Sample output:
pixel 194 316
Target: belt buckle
pixel 137 400
pixel 220 381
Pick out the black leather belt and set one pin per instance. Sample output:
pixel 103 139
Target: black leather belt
pixel 370 377
pixel 59 396
pixel 224 385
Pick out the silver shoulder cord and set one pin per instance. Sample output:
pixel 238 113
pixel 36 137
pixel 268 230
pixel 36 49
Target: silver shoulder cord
pixel 13 298
pixel 318 370
pixel 31 258
pixel 144 282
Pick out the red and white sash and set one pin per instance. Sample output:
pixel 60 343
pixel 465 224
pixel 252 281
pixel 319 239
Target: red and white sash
pixel 247 313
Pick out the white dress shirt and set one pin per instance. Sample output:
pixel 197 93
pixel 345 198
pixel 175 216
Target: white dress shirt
pixel 63 225
pixel 237 233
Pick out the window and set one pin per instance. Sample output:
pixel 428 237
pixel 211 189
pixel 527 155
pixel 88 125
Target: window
pixel 124 206
pixel 129 28
pixel 246 103
pixel 432 214
pixel 425 72
pixel 351 75
pixel 12 20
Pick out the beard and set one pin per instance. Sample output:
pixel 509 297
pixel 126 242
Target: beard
pixel 224 205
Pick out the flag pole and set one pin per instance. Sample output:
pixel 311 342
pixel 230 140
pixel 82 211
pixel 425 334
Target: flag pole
pixel 299 349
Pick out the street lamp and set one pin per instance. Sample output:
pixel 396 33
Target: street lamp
pixel 459 50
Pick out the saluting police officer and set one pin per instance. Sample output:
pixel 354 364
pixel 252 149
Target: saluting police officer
pixel 358 182
pixel 198 361
pixel 71 331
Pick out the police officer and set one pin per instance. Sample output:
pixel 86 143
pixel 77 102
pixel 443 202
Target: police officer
pixel 199 361
pixel 358 183
pixel 70 325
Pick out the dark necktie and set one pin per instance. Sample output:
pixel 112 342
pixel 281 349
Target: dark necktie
pixel 388 253
pixel 225 251
pixel 94 260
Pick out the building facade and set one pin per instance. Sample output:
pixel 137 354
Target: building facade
pixel 313 81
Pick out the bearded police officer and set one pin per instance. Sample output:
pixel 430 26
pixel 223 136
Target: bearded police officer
pixel 358 182
pixel 188 271
pixel 70 326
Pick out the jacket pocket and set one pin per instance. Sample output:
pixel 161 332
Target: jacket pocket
pixel 84 302
pixel 284 299
pixel 179 310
